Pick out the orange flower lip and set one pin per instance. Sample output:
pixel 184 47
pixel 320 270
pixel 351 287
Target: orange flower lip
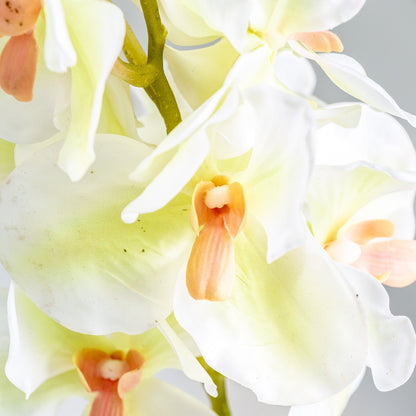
pixel 18 16
pixel 111 375
pixel 217 216
pixel 324 41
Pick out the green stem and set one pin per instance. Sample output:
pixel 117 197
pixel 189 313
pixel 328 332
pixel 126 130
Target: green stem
pixel 159 91
pixel 219 404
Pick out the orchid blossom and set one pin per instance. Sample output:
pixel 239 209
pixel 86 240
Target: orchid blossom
pixel 57 36
pixel 115 373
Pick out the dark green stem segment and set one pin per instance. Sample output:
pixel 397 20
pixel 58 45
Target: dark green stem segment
pixel 220 403
pixel 147 72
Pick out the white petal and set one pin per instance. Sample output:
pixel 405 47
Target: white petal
pixel 343 114
pixel 348 75
pixel 58 50
pixel 97 49
pixel 40 348
pixel 292 331
pixel 392 339
pixel 334 406
pixel 190 365
pixel 59 237
pixel 154 397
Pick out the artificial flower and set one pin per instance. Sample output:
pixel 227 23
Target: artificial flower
pixel 114 373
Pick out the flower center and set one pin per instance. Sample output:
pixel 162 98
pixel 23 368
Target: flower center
pixel 111 369
pixel 218 197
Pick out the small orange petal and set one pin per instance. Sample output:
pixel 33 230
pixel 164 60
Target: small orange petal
pixel 236 216
pixel 18 66
pixel 395 257
pixel 210 272
pixel 18 16
pixel 324 41
pixel 86 361
pixel 131 379
pixel 200 213
pixel 364 231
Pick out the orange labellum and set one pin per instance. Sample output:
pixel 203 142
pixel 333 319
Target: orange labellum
pixel 325 41
pixel 364 231
pixel 18 66
pixel 18 16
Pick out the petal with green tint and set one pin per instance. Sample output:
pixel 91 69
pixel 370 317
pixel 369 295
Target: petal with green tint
pixel 40 348
pixel 59 53
pixel 6 159
pixel 338 192
pixel 59 237
pixel 348 75
pixel 189 67
pixel 305 16
pixel 97 49
pixel 155 397
pixel 292 332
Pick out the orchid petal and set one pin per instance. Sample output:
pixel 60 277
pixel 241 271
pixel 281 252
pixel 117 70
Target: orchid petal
pixel 322 41
pixel 364 231
pixel 130 269
pixel 347 115
pixel 396 258
pixel 392 339
pixel 266 338
pixel 347 74
pixel 154 397
pixel 304 16
pixel 280 162
pixel 19 16
pixel 6 159
pixel 40 348
pixel 333 406
pixel 188 67
pixel 337 193
pixel 190 366
pixel 97 49
pixel 58 50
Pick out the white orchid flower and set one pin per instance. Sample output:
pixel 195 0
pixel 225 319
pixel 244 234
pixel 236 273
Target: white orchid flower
pixel 115 373
pixel 70 35
pixel 361 197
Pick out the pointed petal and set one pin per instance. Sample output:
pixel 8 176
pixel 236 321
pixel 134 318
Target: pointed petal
pixel 348 75
pixel 97 49
pixel 392 339
pixel 210 272
pixel 40 348
pixel 190 366
pixel 18 66
pixel 147 401
pixel 59 54
pixel 395 257
pixel 130 269
pixel 333 406
pixel 272 336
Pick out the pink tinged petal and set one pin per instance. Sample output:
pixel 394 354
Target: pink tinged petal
pixel 18 16
pixel 393 258
pixel 210 273
pixel 18 66
pixel 324 41
pixel 131 379
pixel 364 231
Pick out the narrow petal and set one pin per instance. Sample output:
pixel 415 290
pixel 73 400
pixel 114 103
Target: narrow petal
pixel 320 41
pixel 200 213
pixel 347 74
pixel 236 217
pixel 59 52
pixel 392 339
pixel 18 66
pixel 210 272
pixel 293 330
pixel 190 366
pixel 395 257
pixel 97 49
pixel 364 231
